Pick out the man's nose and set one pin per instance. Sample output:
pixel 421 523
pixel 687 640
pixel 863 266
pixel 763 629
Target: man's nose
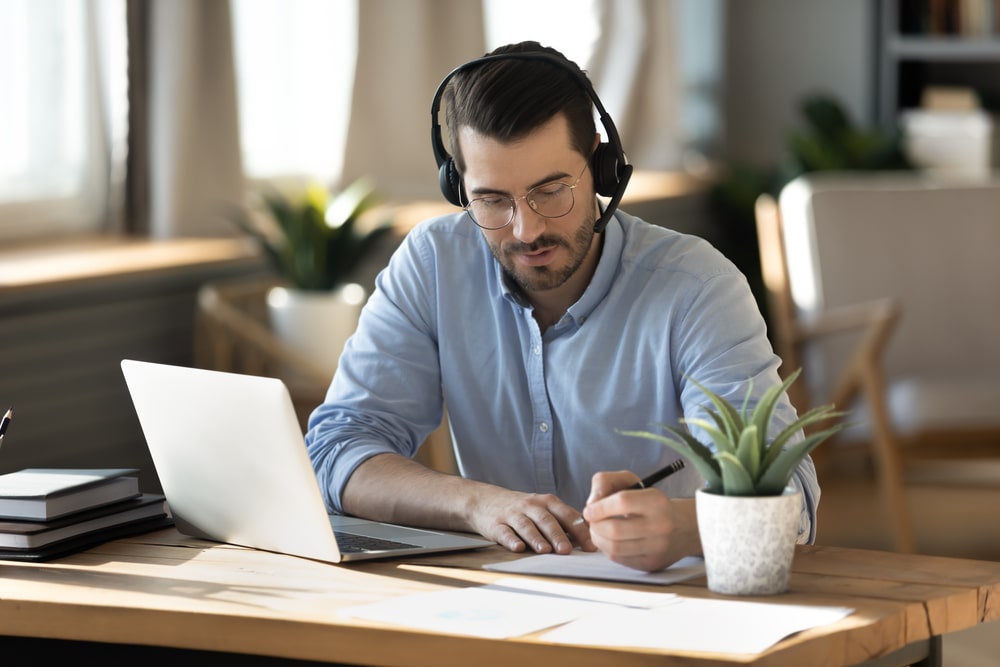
pixel 527 224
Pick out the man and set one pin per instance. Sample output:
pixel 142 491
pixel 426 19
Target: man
pixel 545 333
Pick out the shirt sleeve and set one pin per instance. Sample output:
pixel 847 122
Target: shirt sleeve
pixel 386 394
pixel 723 344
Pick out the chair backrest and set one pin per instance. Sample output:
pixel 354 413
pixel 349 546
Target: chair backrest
pixel 929 245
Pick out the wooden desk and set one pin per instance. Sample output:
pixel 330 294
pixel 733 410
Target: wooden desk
pixel 163 589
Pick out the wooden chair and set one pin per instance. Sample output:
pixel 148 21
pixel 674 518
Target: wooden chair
pixel 846 262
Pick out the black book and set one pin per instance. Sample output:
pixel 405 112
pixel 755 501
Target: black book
pixel 33 535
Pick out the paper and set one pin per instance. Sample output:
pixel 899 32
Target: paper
pixel 595 565
pixel 714 626
pixel 505 608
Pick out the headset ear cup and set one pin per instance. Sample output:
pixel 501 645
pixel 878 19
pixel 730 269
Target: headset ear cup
pixel 450 182
pixel 604 166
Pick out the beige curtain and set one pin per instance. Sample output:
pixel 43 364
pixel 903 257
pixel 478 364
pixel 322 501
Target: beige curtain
pixel 194 166
pixel 635 71
pixel 405 48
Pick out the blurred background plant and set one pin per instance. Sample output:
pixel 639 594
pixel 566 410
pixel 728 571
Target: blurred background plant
pixel 316 238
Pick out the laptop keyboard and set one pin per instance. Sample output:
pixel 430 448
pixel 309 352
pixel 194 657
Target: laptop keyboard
pixel 351 543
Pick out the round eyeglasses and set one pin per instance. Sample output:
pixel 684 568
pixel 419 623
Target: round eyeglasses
pixel 549 200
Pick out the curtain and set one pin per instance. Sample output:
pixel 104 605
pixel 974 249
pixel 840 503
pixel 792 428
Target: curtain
pixel 188 167
pixel 185 163
pixel 634 68
pixel 405 48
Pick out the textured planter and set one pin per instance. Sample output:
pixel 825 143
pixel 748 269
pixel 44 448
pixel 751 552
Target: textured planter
pixel 748 541
pixel 316 323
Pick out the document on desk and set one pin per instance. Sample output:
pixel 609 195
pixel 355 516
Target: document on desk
pixel 595 565
pixel 506 608
pixel 716 626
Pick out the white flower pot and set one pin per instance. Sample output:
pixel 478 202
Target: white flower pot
pixel 748 541
pixel 316 323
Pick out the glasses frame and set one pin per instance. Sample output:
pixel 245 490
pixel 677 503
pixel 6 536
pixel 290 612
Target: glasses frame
pixel 525 197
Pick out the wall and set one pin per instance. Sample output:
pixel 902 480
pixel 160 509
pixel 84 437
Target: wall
pixel 777 52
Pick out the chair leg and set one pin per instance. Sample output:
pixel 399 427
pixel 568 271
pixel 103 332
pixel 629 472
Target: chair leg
pixel 888 464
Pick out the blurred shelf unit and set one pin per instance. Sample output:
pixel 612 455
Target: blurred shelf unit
pixel 941 43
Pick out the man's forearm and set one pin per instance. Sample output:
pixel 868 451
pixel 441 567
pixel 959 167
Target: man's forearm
pixel 395 489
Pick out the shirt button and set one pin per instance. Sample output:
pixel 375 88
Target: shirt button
pixel 543 427
pixel 538 349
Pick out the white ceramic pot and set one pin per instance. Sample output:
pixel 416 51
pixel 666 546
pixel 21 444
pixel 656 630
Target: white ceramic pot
pixel 316 323
pixel 748 541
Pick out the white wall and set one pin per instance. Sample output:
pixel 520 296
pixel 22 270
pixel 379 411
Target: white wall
pixel 778 52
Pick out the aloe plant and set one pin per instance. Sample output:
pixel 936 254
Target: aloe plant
pixel 317 239
pixel 745 462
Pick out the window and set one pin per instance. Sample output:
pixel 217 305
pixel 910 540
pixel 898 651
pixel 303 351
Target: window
pixel 64 115
pixel 295 70
pixel 567 25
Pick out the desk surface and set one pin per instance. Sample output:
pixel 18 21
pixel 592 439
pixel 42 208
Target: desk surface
pixel 164 589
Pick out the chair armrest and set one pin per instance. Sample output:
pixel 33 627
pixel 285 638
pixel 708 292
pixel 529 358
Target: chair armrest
pixel 875 322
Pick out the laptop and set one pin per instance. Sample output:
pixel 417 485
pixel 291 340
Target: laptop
pixel 231 458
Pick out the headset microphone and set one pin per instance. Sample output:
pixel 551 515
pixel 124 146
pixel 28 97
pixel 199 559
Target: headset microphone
pixel 608 164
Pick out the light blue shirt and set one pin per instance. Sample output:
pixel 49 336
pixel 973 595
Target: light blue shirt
pixel 540 412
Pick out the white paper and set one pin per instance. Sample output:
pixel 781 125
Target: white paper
pixel 496 610
pixel 595 565
pixel 714 626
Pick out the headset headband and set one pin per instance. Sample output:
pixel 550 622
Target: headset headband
pixel 609 165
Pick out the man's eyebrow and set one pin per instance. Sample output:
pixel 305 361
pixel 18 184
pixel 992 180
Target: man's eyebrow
pixel 551 178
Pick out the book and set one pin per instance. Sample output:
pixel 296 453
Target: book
pixel 87 540
pixel 43 494
pixel 38 534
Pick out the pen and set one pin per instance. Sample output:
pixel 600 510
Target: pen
pixel 648 481
pixel 5 422
pixel 660 474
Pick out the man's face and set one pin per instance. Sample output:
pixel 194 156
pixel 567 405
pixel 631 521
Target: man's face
pixel 539 253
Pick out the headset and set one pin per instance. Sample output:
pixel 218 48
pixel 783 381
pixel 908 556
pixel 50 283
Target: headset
pixel 608 164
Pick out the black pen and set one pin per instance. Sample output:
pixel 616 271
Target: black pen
pixel 6 421
pixel 657 476
pixel 648 481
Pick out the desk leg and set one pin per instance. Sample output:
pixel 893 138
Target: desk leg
pixel 925 653
pixel 935 653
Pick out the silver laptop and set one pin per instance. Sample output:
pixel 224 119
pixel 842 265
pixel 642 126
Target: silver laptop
pixel 231 459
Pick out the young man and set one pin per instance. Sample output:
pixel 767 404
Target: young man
pixel 543 335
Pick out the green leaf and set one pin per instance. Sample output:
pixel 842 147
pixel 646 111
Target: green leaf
pixel 748 450
pixel 775 478
pixel 813 416
pixel 736 481
pixel 723 442
pixel 731 418
pixel 764 411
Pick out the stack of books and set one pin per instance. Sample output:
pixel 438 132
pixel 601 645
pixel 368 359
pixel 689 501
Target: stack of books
pixel 50 512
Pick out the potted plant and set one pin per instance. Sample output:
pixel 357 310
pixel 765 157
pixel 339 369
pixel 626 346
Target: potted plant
pixel 748 514
pixel 316 239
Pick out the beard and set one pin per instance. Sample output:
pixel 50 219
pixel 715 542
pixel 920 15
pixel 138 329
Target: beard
pixel 538 279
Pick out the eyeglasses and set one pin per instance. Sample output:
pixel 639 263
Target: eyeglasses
pixel 549 200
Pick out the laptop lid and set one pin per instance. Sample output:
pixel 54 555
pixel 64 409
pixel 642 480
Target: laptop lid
pixel 231 459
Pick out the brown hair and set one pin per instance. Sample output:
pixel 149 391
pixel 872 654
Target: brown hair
pixel 509 98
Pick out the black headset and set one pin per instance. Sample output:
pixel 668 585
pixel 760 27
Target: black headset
pixel 608 164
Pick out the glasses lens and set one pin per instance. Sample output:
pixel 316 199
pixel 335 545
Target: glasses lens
pixel 491 212
pixel 553 200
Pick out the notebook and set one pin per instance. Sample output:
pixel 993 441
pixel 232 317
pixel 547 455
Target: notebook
pixel 232 462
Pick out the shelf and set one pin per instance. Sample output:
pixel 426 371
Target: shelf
pixel 943 48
